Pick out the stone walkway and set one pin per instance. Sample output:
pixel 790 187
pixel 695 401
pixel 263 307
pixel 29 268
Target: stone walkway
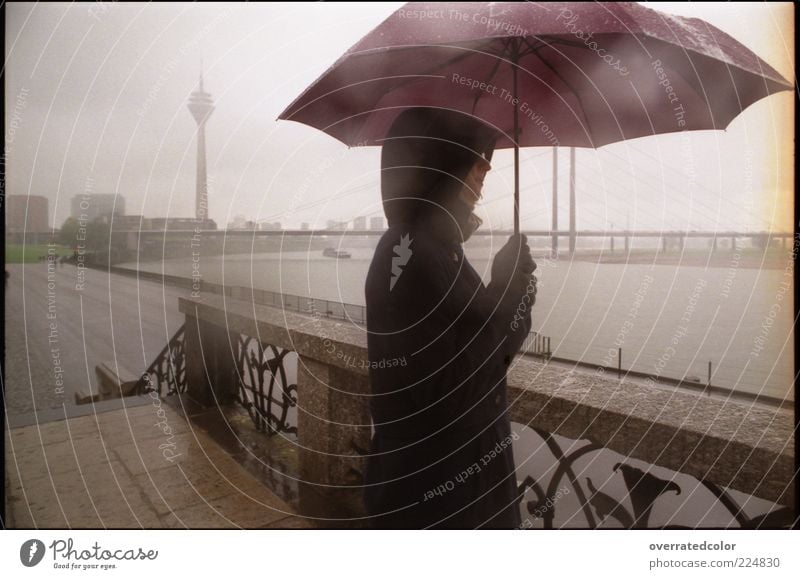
pixel 142 466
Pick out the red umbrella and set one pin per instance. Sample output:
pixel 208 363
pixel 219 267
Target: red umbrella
pixel 555 74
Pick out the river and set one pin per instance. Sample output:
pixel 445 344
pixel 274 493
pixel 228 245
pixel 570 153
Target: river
pixel 668 320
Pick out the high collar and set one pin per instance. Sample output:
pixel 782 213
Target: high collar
pixel 452 224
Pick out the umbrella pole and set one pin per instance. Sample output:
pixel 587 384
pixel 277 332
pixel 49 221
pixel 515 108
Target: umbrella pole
pixel 515 59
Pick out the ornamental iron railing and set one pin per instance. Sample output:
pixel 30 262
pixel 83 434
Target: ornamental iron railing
pixel 264 390
pixel 628 503
pixel 167 374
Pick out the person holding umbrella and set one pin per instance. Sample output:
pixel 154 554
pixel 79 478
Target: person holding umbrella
pixel 573 74
pixel 441 451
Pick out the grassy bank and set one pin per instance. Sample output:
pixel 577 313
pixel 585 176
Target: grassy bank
pixel 32 253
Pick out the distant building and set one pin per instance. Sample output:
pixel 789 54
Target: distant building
pixel 27 213
pixel 304 226
pixel 237 223
pixel 180 224
pixel 376 223
pixel 360 223
pixel 90 206
pixel 131 223
pixel 336 225
pixel 267 226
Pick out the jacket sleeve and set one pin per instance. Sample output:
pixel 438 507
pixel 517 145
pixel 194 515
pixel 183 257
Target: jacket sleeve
pixel 518 314
pixel 499 314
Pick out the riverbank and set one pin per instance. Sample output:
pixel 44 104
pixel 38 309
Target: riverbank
pixel 750 258
pixel 34 253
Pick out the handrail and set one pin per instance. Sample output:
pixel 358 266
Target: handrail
pixel 168 369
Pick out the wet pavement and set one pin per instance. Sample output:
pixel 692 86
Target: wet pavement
pixel 143 466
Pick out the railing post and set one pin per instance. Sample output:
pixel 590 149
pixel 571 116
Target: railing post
pixel 210 363
pixel 332 420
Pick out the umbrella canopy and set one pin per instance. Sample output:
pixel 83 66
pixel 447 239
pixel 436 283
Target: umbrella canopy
pixel 553 74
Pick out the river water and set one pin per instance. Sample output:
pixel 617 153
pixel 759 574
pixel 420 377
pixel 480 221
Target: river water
pixel 669 320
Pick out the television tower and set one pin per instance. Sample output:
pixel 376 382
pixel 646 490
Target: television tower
pixel 201 106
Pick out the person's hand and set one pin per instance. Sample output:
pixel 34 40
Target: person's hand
pixel 513 266
pixel 513 283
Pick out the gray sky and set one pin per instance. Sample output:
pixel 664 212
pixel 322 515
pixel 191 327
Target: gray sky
pixel 100 89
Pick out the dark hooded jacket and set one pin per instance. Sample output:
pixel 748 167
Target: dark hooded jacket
pixel 440 342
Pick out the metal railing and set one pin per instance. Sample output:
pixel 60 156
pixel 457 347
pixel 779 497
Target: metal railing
pixel 260 376
pixel 167 374
pixel 263 388
pixel 314 306
pixel 537 345
pixel 641 493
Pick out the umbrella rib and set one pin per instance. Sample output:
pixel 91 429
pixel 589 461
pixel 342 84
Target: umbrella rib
pixel 436 68
pixel 406 78
pixel 535 51
pixel 574 44
pixel 503 55
pixel 394 49
pixel 491 76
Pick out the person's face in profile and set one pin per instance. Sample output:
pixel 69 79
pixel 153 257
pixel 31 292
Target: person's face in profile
pixel 473 183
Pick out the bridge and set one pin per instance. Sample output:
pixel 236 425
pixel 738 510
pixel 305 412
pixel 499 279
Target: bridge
pixel 171 243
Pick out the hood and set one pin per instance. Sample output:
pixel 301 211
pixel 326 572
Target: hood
pixel 424 160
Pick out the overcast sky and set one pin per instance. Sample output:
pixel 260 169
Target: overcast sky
pixel 99 90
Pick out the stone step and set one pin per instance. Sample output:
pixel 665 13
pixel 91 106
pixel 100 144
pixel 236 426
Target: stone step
pixel 113 381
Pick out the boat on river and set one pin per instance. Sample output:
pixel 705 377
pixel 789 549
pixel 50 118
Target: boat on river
pixel 337 253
